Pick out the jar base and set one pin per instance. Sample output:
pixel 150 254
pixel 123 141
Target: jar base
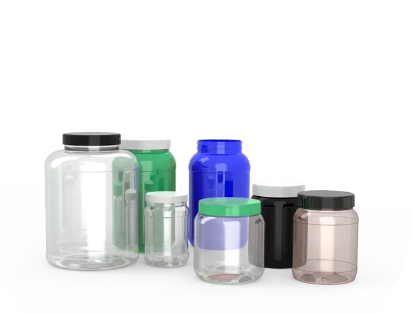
pixel 230 279
pixel 82 259
pixel 324 278
pixel 166 262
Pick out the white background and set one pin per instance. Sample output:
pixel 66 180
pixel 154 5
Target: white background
pixel 319 91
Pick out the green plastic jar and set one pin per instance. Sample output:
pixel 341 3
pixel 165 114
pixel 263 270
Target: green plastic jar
pixel 156 172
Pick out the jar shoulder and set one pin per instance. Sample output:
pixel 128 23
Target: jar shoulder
pixel 215 162
pixel 205 219
pixel 326 217
pixel 118 159
pixel 276 201
pixel 149 162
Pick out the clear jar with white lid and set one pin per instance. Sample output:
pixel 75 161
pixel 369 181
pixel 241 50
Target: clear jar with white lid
pixel 91 203
pixel 325 240
pixel 166 229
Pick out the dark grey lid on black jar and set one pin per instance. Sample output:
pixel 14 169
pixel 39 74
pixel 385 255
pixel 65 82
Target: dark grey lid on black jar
pixel 326 200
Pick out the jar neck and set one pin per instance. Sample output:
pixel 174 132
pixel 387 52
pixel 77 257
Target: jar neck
pixel 178 204
pixel 223 147
pixel 72 148
pixel 148 151
pixel 327 210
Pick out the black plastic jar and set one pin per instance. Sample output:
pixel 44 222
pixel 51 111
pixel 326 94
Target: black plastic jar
pixel 279 204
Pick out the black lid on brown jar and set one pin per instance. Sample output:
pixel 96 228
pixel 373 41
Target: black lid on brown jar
pixel 326 200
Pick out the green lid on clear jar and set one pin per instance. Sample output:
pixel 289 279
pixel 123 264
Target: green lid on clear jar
pixel 229 206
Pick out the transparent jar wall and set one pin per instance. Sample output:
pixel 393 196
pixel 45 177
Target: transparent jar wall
pixel 166 234
pixel 91 209
pixel 229 250
pixel 325 246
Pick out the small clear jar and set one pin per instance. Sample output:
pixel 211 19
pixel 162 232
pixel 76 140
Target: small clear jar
pixel 166 229
pixel 229 240
pixel 91 203
pixel 325 240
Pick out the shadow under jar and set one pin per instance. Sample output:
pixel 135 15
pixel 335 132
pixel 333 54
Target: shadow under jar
pixel 325 241
pixel 91 203
pixel 229 246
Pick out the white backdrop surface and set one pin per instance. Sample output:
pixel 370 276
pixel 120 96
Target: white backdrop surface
pixel 319 91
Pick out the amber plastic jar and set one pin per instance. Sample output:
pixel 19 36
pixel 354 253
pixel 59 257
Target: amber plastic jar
pixel 325 239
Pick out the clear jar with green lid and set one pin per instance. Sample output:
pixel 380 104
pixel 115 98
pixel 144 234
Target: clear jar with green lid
pixel 229 235
pixel 156 171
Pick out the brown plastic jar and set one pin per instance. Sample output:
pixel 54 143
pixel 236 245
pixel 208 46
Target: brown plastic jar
pixel 325 239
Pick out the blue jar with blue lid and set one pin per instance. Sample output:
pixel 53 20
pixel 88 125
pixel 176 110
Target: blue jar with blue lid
pixel 218 169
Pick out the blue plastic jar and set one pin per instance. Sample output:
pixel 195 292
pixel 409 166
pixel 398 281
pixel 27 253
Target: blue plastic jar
pixel 218 169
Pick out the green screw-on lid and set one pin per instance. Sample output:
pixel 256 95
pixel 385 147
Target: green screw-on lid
pixel 229 206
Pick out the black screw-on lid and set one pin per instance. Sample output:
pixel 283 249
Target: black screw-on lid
pixel 332 200
pixel 91 139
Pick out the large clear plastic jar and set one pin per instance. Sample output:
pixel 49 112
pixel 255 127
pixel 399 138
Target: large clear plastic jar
pixel 91 203
pixel 325 241
pixel 166 229
pixel 229 240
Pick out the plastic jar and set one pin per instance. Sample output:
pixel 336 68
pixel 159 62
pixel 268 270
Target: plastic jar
pixel 325 244
pixel 279 204
pixel 91 203
pixel 157 171
pixel 218 169
pixel 166 229
pixel 229 245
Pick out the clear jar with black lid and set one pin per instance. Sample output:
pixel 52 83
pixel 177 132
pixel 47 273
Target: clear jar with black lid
pixel 325 240
pixel 279 204
pixel 91 203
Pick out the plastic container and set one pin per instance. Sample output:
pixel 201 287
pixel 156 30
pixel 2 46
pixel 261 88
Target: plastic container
pixel 218 169
pixel 279 204
pixel 91 203
pixel 325 244
pixel 229 243
pixel 166 229
pixel 157 171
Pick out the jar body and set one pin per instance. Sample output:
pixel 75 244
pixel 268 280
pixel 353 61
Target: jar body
pixel 215 172
pixel 325 246
pixel 166 234
pixel 156 172
pixel 278 215
pixel 90 225
pixel 229 250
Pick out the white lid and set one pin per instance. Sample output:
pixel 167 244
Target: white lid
pixel 166 197
pixel 278 188
pixel 145 143
pixel 130 194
